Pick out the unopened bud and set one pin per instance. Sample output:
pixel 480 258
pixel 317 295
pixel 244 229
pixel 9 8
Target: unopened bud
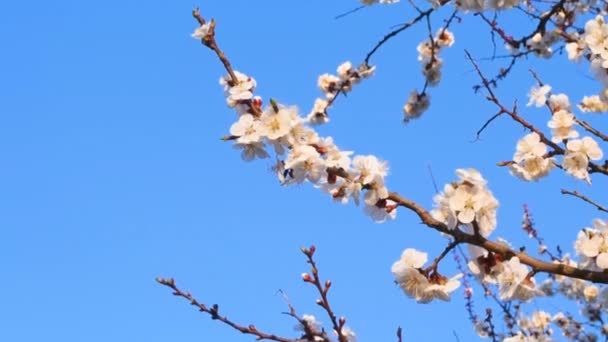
pixel 306 277
pixel 274 105
pixel 257 102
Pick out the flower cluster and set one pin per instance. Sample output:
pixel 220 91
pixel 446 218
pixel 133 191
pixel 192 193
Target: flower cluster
pixel 467 204
pixel 593 43
pixel 422 285
pixel 332 85
pixel 534 328
pixel 313 330
pixel 532 161
pixel 513 278
pixel 428 55
pixel 592 246
pixel 529 161
pixel 302 154
pixel 541 43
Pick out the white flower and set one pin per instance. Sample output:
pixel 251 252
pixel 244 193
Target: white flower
pixel 243 90
pixel 410 258
pixel 540 44
pixel 559 102
pixel 588 146
pixel 337 158
pixel 348 333
pixel 365 70
pixel 444 38
pixel 432 71
pixel 201 31
pixel 416 105
pixel 592 244
pixel 376 191
pixel 470 5
pixel 278 124
pixel 575 50
pixel 369 169
pixel 561 125
pixel 442 211
pixel 575 164
pixel 246 129
pixel 318 114
pixel 466 202
pixel 410 279
pixel 346 191
pixel 529 146
pixel 591 292
pixel 484 265
pixel 538 95
pixel 344 70
pixel 300 134
pixel 596 36
pixel 441 290
pixel 328 84
pixel 425 50
pixel 514 282
pixel 503 4
pixel 472 177
pixel 305 163
pixel 532 168
pixel 486 215
pixel 310 321
pixel 593 104
pixel 381 213
pixel 252 150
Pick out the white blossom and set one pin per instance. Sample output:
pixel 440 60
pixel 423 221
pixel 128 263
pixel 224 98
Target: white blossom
pixel 562 126
pixel 416 105
pixel 382 213
pixel 242 90
pixel 252 150
pixel 247 129
pixel 318 113
pixel 586 145
pixel 514 283
pixel 369 169
pixel 575 164
pixel 538 95
pixel 276 125
pixel 593 104
pixel 201 31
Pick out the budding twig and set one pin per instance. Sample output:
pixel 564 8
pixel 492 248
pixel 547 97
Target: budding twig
pixel 323 289
pixel 213 311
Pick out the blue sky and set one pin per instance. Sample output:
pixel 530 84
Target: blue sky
pixel 113 171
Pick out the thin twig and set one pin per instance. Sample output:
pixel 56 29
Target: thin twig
pixel 586 199
pixel 396 32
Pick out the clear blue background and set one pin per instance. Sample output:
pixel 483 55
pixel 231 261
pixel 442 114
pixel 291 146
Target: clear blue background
pixel 112 171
